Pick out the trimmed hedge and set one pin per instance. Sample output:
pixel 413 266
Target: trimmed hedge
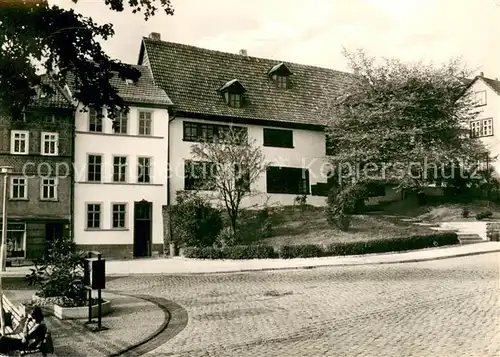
pixel 334 249
pixel 235 252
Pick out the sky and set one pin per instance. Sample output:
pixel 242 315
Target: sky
pixel 314 32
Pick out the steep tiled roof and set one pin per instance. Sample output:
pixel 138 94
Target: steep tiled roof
pixel 143 92
pixel 493 83
pixel 191 76
pixel 55 100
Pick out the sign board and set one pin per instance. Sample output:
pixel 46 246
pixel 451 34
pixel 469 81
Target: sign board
pixel 94 274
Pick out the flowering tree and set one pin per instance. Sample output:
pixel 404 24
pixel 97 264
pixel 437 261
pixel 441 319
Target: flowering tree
pixel 401 123
pixel 236 162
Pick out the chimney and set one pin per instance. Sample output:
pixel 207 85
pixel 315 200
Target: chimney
pixel 244 53
pixel 155 36
pixel 481 74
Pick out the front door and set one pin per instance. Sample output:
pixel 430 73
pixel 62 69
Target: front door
pixel 142 228
pixel 53 231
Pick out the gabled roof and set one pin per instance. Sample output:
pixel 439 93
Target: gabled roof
pixel 234 83
pixel 492 83
pixel 144 91
pixel 191 76
pixel 58 99
pixel 280 68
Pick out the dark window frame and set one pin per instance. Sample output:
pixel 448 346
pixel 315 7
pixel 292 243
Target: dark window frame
pixel 144 169
pixel 94 175
pixel 94 216
pixel 280 180
pixel 275 138
pixel 199 132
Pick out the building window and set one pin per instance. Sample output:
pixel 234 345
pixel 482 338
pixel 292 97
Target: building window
pixel 145 122
pixel 144 170
pixel 199 175
pixel 234 100
pixel 482 127
pixel 281 82
pixel 278 138
pixel 48 189
pixel 120 123
pixel 119 213
pixel 16 235
pixel 18 188
pixel 19 142
pixel 93 216
pixel 119 169
pixel 200 132
pixel 50 143
pixel 95 121
pixel 480 98
pixel 94 168
pixel 288 180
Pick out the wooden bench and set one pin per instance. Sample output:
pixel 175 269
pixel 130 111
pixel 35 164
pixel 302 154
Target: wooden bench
pixel 15 329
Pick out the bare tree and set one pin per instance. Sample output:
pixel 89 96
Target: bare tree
pixel 236 163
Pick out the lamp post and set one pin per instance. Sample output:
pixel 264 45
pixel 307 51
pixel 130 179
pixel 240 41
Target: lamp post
pixel 5 171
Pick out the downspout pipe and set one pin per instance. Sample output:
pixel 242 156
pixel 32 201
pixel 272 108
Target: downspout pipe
pixel 172 247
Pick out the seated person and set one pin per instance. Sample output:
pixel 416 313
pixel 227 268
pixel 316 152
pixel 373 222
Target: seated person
pixel 33 334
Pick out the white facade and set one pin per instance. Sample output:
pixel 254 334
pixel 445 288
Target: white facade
pixel 489 111
pixel 106 191
pixel 308 152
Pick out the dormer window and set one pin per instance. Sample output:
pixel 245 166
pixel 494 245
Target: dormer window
pixel 281 81
pixel 280 75
pixel 234 100
pixel 233 92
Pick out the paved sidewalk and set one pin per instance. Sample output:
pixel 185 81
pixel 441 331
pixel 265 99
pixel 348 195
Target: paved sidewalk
pixel 132 321
pixel 198 266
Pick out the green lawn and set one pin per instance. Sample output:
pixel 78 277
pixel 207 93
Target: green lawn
pixel 311 227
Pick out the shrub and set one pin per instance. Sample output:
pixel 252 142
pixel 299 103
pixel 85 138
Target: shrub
pixel 465 212
pixel 495 237
pixel 343 203
pixel 334 249
pixel 194 221
pixel 391 245
pixel 226 238
pixel 236 252
pixel 483 215
pixel 60 273
pixel 301 201
pixel 300 251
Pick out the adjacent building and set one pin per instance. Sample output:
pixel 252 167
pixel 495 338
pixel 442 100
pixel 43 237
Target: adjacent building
pixel 38 146
pixel 280 104
pixel 120 173
pixel 486 124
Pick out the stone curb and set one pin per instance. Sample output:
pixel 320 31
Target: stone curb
pixel 415 260
pixel 174 315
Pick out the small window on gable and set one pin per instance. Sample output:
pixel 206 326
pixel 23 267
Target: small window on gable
pixel 280 75
pixel 233 92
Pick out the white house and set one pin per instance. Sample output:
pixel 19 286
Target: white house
pixel 487 123
pixel 282 105
pixel 120 173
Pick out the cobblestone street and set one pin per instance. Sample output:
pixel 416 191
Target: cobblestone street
pixel 440 308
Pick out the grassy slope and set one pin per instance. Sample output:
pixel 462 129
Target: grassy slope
pixel 311 227
pixel 442 212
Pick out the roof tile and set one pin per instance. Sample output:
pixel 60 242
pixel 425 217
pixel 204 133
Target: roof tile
pixel 191 76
